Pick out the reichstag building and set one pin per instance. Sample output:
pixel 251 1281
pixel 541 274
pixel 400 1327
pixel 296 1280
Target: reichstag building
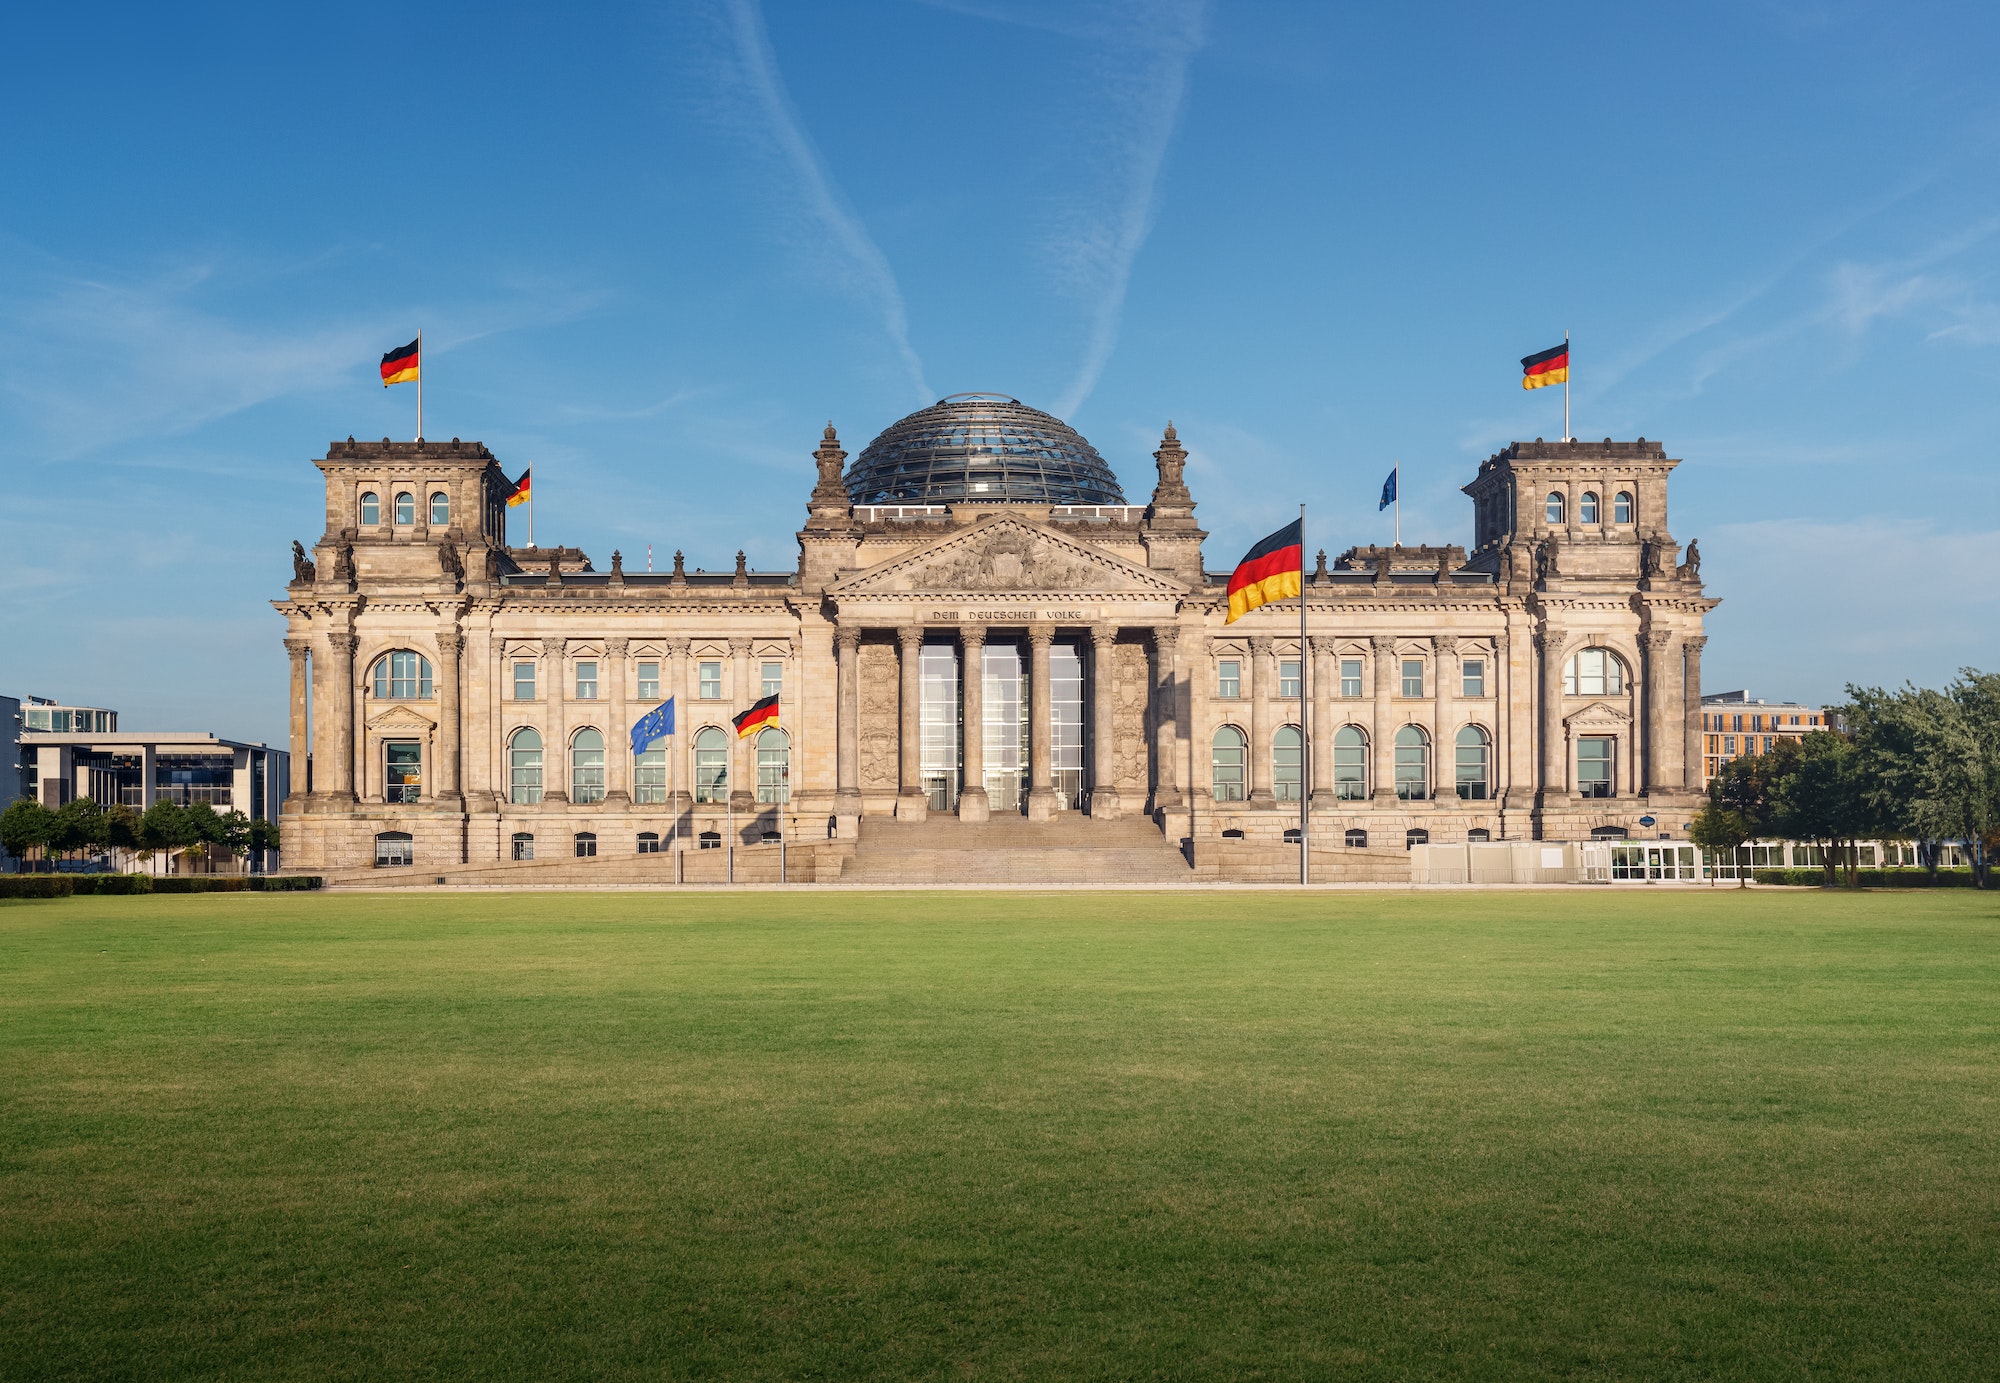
pixel 982 630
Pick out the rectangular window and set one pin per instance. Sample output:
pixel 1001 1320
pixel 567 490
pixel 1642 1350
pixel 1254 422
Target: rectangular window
pixel 1472 679
pixel 1413 677
pixel 773 679
pixel 1757 722
pixel 586 681
pixel 649 777
pixel 1350 677
pixel 1593 765
pixel 1737 724
pixel 1729 744
pixel 1288 678
pixel 649 681
pixel 524 681
pixel 711 682
pixel 403 774
pixel 1768 743
pixel 1229 678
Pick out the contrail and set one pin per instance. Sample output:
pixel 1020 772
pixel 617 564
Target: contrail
pixel 877 280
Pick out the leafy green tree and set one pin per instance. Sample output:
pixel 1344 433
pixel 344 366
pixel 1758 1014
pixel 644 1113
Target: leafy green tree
pixel 201 828
pixel 1721 831
pixel 1818 798
pixel 235 834
pixel 121 827
pixel 1977 697
pixel 264 834
pixel 79 825
pixel 1748 786
pixel 25 827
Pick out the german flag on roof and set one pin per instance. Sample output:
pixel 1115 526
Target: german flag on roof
pixel 764 713
pixel 521 493
pixel 1270 571
pixel 1545 367
pixel 401 365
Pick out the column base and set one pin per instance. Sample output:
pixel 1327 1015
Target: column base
pixel 743 803
pixel 1042 804
pixel 1104 803
pixel 1261 800
pixel 1167 799
pixel 913 806
pixel 1383 797
pixel 973 805
pixel 555 797
pixel 617 799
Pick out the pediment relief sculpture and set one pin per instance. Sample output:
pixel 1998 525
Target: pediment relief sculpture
pixel 1011 556
pixel 401 718
pixel 1598 714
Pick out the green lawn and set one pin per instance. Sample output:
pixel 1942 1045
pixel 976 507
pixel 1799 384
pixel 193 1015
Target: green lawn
pixel 1185 1135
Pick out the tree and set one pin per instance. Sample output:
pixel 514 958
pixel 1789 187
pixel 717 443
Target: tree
pixel 264 834
pixel 121 827
pixel 1818 796
pixel 201 828
pixel 1722 831
pixel 234 835
pixel 165 829
pixel 1977 697
pixel 1748 786
pixel 25 826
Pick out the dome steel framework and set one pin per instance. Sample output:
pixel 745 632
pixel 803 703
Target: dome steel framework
pixel 981 448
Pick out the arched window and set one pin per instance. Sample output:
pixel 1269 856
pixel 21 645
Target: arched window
pixel 1621 507
pixel 1555 508
pixel 1413 764
pixel 774 766
pixel 1288 761
pixel 649 776
pixel 586 845
pixel 1357 839
pixel 371 508
pixel 1474 782
pixel 406 507
pixel 440 509
pixel 524 770
pixel 1416 835
pixel 1350 764
pixel 395 850
pixel 1586 508
pixel 403 676
pixel 1478 835
pixel 1228 776
pixel 586 767
pixel 1594 672
pixel 524 846
pixel 711 766
pixel 649 842
pixel 709 840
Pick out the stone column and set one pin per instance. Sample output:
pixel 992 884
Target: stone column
pixel 1382 730
pixel 847 797
pixel 1166 719
pixel 617 734
pixel 1103 736
pixel 340 720
pixel 1324 674
pixel 1041 726
pixel 1444 741
pixel 1201 724
pixel 555 741
pixel 1549 646
pixel 444 774
pixel 1664 722
pixel 680 773
pixel 972 800
pixel 743 689
pixel 300 651
pixel 911 804
pixel 1691 761
pixel 1263 690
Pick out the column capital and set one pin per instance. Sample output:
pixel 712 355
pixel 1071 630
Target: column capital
pixel 298 648
pixel 678 648
pixel 847 637
pixel 1166 637
pixel 972 635
pixel 1383 643
pixel 344 643
pixel 615 648
pixel 450 643
pixel 1041 635
pixel 553 648
pixel 1102 634
pixel 739 648
pixel 1260 645
pixel 1323 643
pixel 908 636
pixel 1656 640
pixel 1696 644
pixel 1552 641
pixel 1444 643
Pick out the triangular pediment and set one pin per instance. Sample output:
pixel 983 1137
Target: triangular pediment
pixel 400 718
pixel 1003 555
pixel 1598 715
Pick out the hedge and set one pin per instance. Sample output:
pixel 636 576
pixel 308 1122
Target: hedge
pixel 1868 878
pixel 68 885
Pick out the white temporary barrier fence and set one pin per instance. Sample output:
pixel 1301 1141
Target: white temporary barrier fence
pixel 1553 862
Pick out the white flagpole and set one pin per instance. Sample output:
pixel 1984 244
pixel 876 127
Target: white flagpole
pixel 1305 710
pixel 1568 436
pixel 421 365
pixel 1399 503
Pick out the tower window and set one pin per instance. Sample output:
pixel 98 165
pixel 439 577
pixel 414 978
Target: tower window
pixel 440 510
pixel 406 507
pixel 1586 509
pixel 1555 506
pixel 1621 507
pixel 371 508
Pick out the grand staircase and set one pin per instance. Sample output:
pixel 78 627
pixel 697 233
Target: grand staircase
pixel 1074 849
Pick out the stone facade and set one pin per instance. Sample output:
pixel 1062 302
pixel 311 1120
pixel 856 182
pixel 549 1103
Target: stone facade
pixel 1097 628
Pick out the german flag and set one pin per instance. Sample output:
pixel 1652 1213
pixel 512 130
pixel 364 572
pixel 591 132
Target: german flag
pixel 764 713
pixel 1545 367
pixel 519 494
pixel 401 365
pixel 1270 571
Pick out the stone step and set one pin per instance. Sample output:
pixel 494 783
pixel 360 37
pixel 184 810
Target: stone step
pixel 1071 849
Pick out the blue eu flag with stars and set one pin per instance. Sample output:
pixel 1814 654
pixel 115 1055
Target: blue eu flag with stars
pixel 1388 491
pixel 657 723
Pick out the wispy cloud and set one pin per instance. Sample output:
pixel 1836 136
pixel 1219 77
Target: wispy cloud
pixel 1143 52
pixel 867 268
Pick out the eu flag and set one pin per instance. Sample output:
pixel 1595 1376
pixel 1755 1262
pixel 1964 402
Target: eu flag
pixel 655 724
pixel 1388 490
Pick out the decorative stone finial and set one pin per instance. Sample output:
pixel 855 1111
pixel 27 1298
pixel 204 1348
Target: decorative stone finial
pixel 742 570
pixel 617 562
pixel 680 568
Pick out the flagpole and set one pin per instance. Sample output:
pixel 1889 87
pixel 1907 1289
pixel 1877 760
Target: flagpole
pixel 1568 436
pixel 1305 712
pixel 420 384
pixel 1399 504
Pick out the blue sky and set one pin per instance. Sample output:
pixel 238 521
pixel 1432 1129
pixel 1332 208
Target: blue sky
pixel 653 249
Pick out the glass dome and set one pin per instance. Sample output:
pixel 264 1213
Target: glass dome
pixel 981 447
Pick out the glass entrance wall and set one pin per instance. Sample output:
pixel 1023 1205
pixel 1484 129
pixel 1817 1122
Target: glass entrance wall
pixel 402 776
pixel 1066 716
pixel 1005 709
pixel 937 724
